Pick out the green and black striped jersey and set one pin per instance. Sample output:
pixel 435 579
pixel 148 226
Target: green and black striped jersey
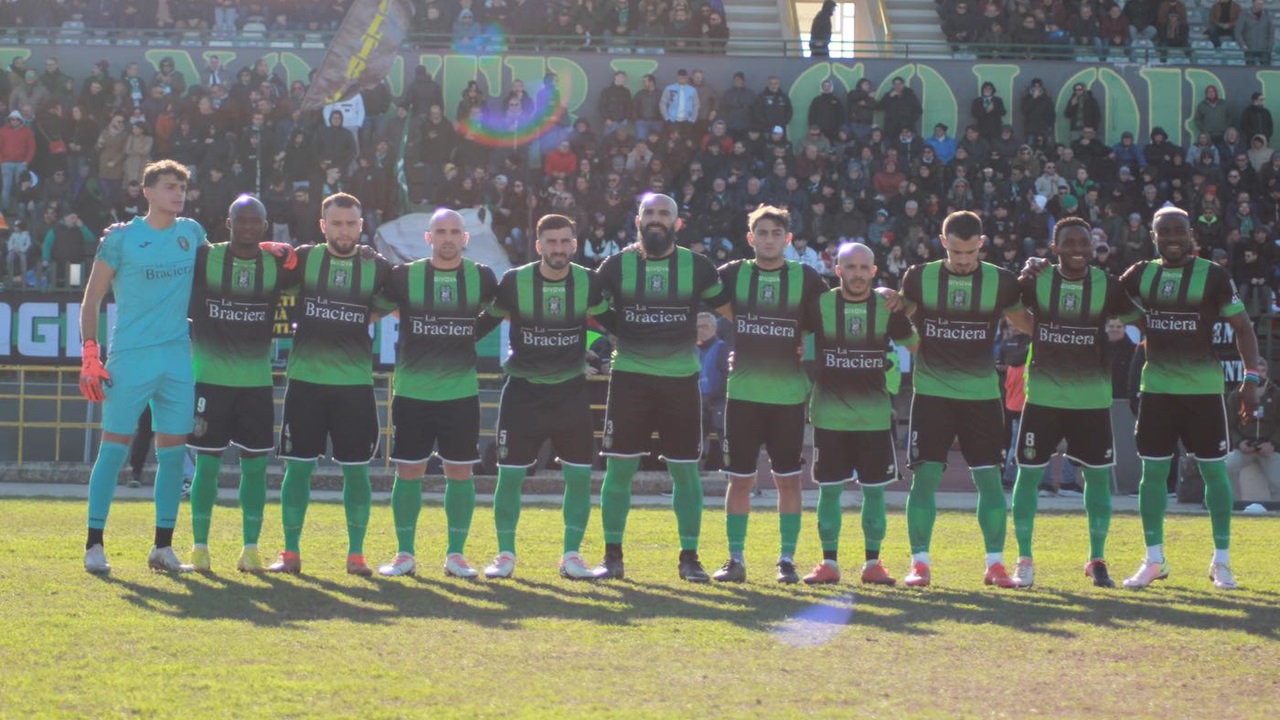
pixel 852 356
pixel 657 304
pixel 336 302
pixel 233 305
pixel 548 321
pixel 1068 366
pixel 436 353
pixel 768 326
pixel 1181 305
pixel 957 316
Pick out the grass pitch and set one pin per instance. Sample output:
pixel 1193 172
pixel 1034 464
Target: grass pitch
pixel 324 643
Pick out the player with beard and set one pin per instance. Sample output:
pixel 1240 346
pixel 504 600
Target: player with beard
pixel 436 406
pixel 767 385
pixel 147 265
pixel 233 301
pixel 545 397
pixel 1182 386
pixel 1068 390
pixel 851 408
pixel 656 289
pixel 957 303
pixel 329 396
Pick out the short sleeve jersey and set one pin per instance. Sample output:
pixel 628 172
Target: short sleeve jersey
pixel 957 317
pixel 152 283
pixel 768 324
pixel 1181 305
pixel 233 303
pixel 436 355
pixel 852 360
pixel 657 303
pixel 1068 367
pixel 548 321
pixel 331 340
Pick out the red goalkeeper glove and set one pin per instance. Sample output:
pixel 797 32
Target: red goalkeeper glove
pixel 93 376
pixel 284 251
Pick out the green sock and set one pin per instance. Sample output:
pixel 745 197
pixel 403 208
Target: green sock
pixel 459 507
pixel 831 515
pixel 357 499
pixel 506 506
pixel 615 497
pixel 922 505
pixel 204 494
pixel 1217 498
pixel 735 529
pixel 1153 499
pixel 1026 498
pixel 406 505
pixel 253 497
pixel 788 532
pixel 1097 508
pixel 993 508
pixel 686 499
pixel 295 494
pixel 875 521
pixel 577 505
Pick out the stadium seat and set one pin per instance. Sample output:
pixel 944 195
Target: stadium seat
pixel 253 34
pixel 313 41
pixel 1231 54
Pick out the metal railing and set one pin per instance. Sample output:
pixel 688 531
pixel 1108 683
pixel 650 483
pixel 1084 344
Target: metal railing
pixel 737 46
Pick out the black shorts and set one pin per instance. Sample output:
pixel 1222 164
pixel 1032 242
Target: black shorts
pixel 1199 421
pixel 240 416
pixel 748 425
pixel 530 413
pixel 449 428
pixel 843 455
pixel 641 404
pixel 344 415
pixel 936 422
pixel 1087 432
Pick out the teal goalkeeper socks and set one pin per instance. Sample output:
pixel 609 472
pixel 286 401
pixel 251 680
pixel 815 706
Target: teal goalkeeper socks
pixel 102 481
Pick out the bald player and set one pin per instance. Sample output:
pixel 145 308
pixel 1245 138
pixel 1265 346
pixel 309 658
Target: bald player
pixel 233 300
pixel 656 289
pixel 851 409
pixel 436 406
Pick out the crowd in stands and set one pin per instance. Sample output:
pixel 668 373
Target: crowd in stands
pixel 71 150
pixel 1052 28
pixel 468 26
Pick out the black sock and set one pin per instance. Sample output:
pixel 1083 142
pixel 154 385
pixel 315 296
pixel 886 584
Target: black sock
pixel 613 550
pixel 164 537
pixel 95 538
pixel 873 555
pixel 830 555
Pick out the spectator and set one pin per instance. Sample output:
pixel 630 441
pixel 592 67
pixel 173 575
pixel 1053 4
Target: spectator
pixel 1038 114
pixel 713 354
pixel 18 246
pixel 66 244
pixel 1255 119
pixel 1174 33
pixel 17 150
pixel 1211 114
pixel 1253 465
pixel 820 30
pixel 1113 28
pixel 1084 28
pixel 944 146
pixel 679 104
pixel 901 108
pixel 1255 32
pixel 715 34
pixel 647 109
pixel 799 251
pixel 961 26
pixel 1221 21
pixel 860 106
pixel 988 112
pixel 772 107
pixel 1082 111
pixel 1119 354
pixel 1028 35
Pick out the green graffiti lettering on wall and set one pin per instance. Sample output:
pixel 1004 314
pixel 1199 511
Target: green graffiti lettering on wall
pixel 939 100
pixel 1119 108
pixel 1164 103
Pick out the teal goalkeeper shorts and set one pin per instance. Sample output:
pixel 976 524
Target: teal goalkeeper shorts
pixel 159 376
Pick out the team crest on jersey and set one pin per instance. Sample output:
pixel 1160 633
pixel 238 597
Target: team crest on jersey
pixel 1070 302
pixel 1166 289
pixel 446 293
pixel 959 298
pixel 184 243
pixel 340 278
pixel 242 279
pixel 655 283
pixel 854 325
pixel 554 306
pixel 769 293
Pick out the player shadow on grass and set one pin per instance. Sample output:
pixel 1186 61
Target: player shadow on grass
pixel 280 601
